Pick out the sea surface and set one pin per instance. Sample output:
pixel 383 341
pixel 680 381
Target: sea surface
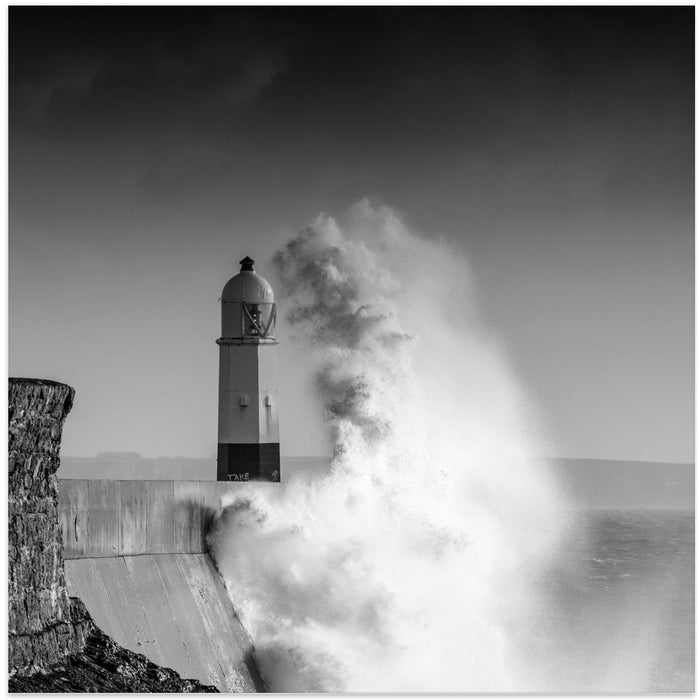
pixel 616 610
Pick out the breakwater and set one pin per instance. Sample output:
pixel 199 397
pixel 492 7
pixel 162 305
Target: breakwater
pixel 136 554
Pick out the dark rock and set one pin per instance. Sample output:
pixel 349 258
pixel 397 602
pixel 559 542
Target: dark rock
pixel 41 629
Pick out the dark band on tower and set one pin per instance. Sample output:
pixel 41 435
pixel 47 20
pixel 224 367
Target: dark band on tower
pixel 248 447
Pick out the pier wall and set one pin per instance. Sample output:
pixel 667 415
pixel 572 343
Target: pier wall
pixel 135 552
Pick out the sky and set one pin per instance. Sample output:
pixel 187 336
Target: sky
pixel 150 149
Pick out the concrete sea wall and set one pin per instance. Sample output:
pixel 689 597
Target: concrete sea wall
pixel 136 554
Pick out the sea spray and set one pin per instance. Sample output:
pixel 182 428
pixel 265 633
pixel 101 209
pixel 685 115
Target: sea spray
pixel 406 567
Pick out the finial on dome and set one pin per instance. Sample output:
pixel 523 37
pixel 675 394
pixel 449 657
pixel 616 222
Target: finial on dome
pixel 247 264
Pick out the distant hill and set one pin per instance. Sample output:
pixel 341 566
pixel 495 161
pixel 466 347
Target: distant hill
pixel 605 484
pixel 131 465
pixel 588 483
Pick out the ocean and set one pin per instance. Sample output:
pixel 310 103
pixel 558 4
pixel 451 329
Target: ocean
pixel 616 609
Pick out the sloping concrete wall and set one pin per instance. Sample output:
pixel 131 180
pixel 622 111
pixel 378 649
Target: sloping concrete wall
pixel 174 609
pixel 135 552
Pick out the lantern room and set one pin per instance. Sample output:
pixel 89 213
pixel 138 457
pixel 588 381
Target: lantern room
pixel 248 309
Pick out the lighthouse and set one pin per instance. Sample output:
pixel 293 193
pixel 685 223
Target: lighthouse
pixel 249 448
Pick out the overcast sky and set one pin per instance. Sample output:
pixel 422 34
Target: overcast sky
pixel 152 148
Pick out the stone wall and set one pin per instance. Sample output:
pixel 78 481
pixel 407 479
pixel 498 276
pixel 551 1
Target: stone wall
pixel 42 626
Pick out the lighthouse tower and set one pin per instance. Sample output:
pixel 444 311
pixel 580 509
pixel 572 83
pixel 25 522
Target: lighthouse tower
pixel 249 448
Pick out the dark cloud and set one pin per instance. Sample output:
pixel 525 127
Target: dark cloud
pixel 207 86
pixel 78 70
pixel 117 64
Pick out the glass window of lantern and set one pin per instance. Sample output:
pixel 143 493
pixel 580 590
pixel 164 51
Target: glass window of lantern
pixel 258 320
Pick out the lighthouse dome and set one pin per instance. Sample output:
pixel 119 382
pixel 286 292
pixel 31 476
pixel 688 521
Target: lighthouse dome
pixel 248 286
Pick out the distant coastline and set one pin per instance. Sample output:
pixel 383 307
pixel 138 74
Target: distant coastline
pixel 626 485
pixel 587 483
